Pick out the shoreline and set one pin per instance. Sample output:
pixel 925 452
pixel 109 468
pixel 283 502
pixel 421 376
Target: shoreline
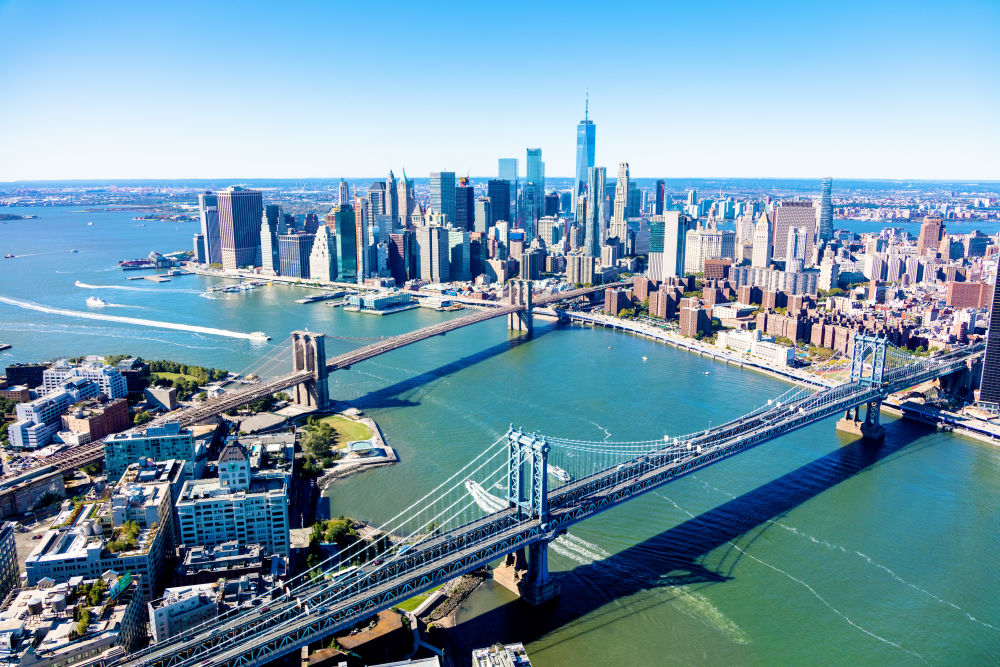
pixel 330 475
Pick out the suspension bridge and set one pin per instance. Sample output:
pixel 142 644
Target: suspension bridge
pixel 514 501
pixel 311 368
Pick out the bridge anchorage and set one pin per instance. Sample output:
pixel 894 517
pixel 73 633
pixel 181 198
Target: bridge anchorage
pixel 527 494
pixel 309 355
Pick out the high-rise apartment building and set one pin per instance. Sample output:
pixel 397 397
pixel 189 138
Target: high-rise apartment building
pixel 761 255
pixel 208 207
pixel 443 194
pixel 825 212
pixel 931 233
pixel 792 214
pixel 595 223
pixel 702 244
pixel 240 213
pixel 585 134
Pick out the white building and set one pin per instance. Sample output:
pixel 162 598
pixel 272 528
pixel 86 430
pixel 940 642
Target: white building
pixel 710 243
pixel 761 242
pixel 323 257
pixel 41 419
pixel 249 507
pixel 110 380
pixel 754 344
pixel 182 608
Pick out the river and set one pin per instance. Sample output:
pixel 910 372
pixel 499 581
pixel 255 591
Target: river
pixel 809 549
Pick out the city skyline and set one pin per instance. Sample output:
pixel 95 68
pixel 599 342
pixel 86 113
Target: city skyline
pixel 755 94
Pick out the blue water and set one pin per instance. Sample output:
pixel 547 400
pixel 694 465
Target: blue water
pixel 809 549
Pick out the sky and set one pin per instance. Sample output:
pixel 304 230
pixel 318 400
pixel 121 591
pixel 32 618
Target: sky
pixel 873 89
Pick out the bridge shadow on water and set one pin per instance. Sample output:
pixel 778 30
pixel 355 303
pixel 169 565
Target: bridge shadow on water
pixel 673 558
pixel 390 396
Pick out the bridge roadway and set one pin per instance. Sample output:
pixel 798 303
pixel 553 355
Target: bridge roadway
pixel 84 454
pixel 254 638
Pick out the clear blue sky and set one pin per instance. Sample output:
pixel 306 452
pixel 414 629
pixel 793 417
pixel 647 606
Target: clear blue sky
pixel 295 89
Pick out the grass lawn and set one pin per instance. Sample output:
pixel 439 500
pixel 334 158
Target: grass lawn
pixel 416 600
pixel 172 376
pixel 347 430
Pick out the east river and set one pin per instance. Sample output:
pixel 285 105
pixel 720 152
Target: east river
pixel 809 549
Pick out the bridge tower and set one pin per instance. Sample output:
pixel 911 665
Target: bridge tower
pixel 520 295
pixel 309 354
pixel 867 369
pixel 527 491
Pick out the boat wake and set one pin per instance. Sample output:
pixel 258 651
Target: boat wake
pixel 30 305
pixel 129 288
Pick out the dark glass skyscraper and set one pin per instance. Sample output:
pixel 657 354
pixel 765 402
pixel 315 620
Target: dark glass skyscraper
pixel 595 223
pixel 989 388
pixel 465 205
pixel 825 226
pixel 443 193
pixel 498 190
pixel 585 133
pixel 661 192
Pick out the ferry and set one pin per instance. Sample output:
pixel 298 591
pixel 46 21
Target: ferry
pixel 96 302
pixel 559 473
pixel 259 335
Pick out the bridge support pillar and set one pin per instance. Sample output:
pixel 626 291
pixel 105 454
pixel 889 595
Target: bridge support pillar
pixel 528 579
pixel 868 428
pixel 520 295
pixel 309 354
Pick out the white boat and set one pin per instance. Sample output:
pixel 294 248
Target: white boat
pixel 96 302
pixel 259 335
pixel 644 358
pixel 558 473
pixel 74 250
pixel 90 224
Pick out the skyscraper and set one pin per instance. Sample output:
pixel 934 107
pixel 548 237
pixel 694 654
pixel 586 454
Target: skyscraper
pixel 498 190
pixel 294 250
pixel 272 225
pixel 435 256
pixel 585 133
pixel 323 257
pixel 595 207
pixel 667 238
pixel 391 197
pixel 661 193
pixel 208 206
pixel 931 233
pixel 405 200
pixel 361 238
pixel 443 193
pixel 508 172
pixel 341 219
pixel 376 199
pixel 761 255
pixel 536 177
pixel 465 205
pixel 344 193
pixel 989 388
pixel 482 220
pixel 618 224
pixel 240 213
pixel 792 214
pixel 825 221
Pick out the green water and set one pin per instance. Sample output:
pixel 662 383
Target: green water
pixel 809 549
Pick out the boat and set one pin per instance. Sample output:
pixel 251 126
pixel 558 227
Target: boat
pixel 74 250
pixel 644 358
pixel 558 473
pixel 704 372
pixel 9 256
pixel 90 224
pixel 259 335
pixel 96 302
